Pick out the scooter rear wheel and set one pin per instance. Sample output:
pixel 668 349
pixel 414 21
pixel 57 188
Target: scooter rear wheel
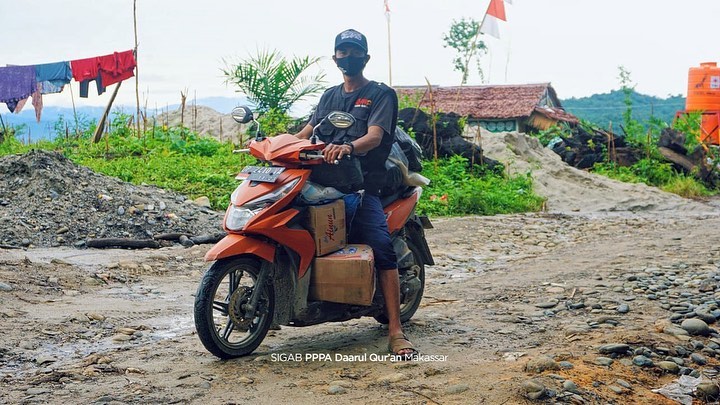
pixel 408 309
pixel 220 319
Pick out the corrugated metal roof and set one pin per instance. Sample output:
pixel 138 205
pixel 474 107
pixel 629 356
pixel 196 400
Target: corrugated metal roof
pixel 486 102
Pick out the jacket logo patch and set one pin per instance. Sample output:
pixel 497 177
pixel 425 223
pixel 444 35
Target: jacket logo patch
pixel 363 102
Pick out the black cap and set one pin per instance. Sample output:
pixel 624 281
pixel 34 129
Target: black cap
pixel 351 37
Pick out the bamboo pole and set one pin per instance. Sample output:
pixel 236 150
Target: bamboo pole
pixel 387 15
pixel 145 113
pixel 609 140
pixel 434 122
pixel 183 98
pixel 2 136
pixel 101 123
pixel 137 71
pixel 72 98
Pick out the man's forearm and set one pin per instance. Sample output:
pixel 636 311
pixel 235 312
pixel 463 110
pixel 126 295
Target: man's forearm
pixel 369 141
pixel 305 133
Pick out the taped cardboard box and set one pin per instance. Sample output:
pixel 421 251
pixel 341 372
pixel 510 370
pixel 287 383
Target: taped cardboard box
pixel 327 225
pixel 346 276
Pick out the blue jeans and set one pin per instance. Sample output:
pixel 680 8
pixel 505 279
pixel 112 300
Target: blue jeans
pixel 369 227
pixel 85 86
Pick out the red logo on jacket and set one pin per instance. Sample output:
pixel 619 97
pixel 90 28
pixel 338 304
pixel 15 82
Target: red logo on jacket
pixel 363 102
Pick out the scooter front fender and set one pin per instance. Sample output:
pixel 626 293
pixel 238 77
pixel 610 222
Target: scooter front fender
pixel 233 245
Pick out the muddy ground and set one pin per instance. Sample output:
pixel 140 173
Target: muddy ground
pixel 115 326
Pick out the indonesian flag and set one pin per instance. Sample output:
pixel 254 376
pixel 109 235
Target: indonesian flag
pixel 495 12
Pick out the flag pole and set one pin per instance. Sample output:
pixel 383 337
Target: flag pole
pixel 475 39
pixel 507 61
pixel 387 17
pixel 137 72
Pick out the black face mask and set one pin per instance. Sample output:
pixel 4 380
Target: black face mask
pixel 351 65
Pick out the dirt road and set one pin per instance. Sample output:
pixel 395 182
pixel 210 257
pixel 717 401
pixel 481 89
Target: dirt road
pixel 516 306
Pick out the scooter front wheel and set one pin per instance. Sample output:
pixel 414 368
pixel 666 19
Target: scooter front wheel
pixel 221 319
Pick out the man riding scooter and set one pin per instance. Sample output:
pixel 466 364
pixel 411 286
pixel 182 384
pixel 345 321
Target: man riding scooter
pixel 375 108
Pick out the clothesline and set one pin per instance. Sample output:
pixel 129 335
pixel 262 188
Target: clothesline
pixel 18 83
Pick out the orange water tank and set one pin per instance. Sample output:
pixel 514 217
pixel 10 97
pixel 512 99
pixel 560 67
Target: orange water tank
pixel 703 88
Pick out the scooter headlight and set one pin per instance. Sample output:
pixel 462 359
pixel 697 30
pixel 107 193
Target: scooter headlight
pixel 238 216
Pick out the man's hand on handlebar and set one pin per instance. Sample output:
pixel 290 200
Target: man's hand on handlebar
pixel 333 153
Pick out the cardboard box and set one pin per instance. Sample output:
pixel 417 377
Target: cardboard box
pixel 346 276
pixel 327 225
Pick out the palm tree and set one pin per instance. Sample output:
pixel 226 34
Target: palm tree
pixel 274 83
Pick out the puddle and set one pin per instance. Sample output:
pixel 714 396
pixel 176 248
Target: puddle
pixel 69 354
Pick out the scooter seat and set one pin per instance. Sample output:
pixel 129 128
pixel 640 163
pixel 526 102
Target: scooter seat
pixel 402 192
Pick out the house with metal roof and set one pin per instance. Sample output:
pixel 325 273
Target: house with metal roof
pixel 497 108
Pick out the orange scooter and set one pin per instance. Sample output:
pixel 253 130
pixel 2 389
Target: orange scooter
pixel 261 271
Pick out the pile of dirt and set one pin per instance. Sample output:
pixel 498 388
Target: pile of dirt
pixel 206 122
pixel 569 189
pixel 47 200
pixel 583 147
pixel 446 135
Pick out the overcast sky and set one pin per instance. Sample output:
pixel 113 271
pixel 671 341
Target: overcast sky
pixel 577 45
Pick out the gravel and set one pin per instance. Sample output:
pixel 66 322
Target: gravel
pixel 47 200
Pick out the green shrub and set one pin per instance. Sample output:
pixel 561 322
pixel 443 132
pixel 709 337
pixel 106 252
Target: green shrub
pixel 11 145
pixel 655 173
pixel 457 189
pixel 649 171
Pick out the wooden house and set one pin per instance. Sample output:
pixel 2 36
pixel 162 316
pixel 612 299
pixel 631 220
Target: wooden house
pixel 497 108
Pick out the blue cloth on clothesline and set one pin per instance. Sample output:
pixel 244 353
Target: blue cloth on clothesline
pixel 53 76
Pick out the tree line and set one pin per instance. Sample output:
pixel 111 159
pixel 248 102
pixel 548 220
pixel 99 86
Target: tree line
pixel 608 108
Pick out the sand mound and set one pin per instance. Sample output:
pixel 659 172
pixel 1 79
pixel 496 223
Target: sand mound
pixel 569 189
pixel 206 122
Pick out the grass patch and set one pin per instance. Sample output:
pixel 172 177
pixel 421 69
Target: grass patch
pixel 457 189
pixel 197 166
pixel 686 187
pixel 658 174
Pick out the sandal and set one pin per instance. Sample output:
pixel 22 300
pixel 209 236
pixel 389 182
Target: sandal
pixel 399 343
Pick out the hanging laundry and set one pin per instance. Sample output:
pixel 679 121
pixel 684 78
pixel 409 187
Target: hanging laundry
pixel 117 67
pixel 85 69
pixel 38 102
pixel 53 76
pixel 20 105
pixel 16 83
pixel 85 86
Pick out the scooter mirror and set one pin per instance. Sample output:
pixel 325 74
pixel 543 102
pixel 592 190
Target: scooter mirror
pixel 341 119
pixel 242 114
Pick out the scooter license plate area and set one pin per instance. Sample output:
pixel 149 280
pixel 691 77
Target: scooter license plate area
pixel 263 174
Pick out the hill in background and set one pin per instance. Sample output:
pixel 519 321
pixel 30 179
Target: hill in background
pixel 51 116
pixel 603 109
pixel 600 109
